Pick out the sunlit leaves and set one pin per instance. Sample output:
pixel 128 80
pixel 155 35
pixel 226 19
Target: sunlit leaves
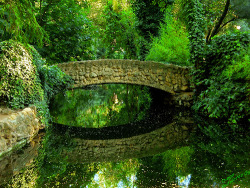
pixel 18 21
pixel 172 46
pixel 20 85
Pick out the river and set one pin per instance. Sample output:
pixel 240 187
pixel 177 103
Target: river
pixel 128 136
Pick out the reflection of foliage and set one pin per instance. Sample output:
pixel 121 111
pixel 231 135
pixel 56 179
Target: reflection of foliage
pixel 76 175
pixel 164 168
pixel 53 166
pixel 112 174
pixel 107 105
pixel 218 153
pixel 176 162
pixel 151 173
pixel 26 178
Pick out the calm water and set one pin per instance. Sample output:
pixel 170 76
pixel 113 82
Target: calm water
pixel 124 136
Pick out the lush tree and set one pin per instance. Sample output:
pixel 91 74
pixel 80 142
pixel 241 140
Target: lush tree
pixel 218 16
pixel 69 31
pixel 149 16
pixel 212 60
pixel 119 36
pixel 18 22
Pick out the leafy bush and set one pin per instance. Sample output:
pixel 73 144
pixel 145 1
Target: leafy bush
pixel 20 84
pixel 226 80
pixel 53 80
pixel 172 44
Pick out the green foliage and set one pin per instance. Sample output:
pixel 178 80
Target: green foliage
pixel 193 11
pixel 69 32
pixel 225 79
pixel 18 22
pixel 20 84
pixel 172 45
pixel 241 8
pixel 118 38
pixel 176 162
pixel 26 79
pixel 52 80
pixel 221 65
pixel 149 16
pixel 163 3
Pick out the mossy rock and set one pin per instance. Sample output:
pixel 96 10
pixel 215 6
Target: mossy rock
pixel 19 80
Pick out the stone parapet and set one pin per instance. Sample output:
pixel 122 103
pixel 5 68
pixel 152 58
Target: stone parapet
pixel 167 77
pixel 17 128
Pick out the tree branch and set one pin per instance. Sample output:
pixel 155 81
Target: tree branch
pixel 228 22
pixel 208 34
pixel 225 25
pixel 217 26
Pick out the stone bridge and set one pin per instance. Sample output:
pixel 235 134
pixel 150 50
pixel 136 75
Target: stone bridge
pixel 167 77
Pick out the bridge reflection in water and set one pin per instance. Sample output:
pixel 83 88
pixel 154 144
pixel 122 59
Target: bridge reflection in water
pixel 171 136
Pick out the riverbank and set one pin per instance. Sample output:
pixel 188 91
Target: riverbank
pixel 17 128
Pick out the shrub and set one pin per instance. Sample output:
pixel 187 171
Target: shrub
pixel 226 77
pixel 172 44
pixel 53 80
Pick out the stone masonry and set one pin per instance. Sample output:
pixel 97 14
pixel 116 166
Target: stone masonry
pixel 167 77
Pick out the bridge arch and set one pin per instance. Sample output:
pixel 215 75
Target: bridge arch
pixel 167 77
